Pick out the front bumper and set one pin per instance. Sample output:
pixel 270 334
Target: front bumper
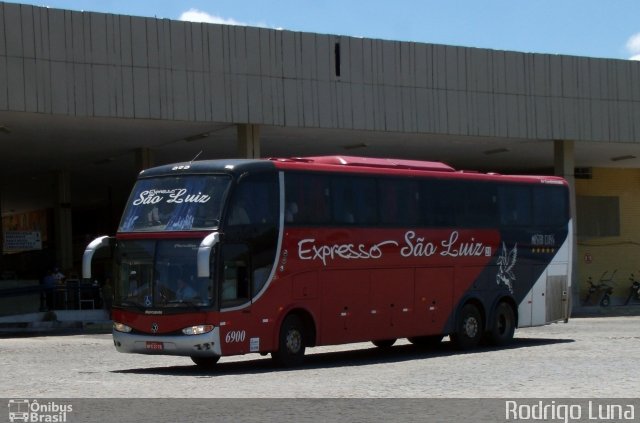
pixel 205 345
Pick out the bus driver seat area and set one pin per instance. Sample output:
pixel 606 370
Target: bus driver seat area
pixel 292 211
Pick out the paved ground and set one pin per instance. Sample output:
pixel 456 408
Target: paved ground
pixel 588 357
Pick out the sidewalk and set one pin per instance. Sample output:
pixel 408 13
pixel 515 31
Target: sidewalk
pixel 610 311
pixel 56 322
pixel 62 322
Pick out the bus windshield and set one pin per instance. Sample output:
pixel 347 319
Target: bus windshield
pixel 160 274
pixel 175 203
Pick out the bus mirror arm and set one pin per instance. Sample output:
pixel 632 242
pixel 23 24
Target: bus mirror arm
pixel 87 257
pixel 204 254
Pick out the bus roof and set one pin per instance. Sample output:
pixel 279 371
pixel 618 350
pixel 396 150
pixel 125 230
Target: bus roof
pixel 392 166
pixel 232 166
pixel 350 161
pixel 338 163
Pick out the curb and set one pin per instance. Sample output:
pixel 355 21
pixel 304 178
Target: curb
pixel 55 328
pixel 611 311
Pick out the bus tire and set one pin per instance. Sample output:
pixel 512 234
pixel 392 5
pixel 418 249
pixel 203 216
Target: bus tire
pixel 205 362
pixel 504 325
pixel 384 343
pixel 430 341
pixel 469 328
pixel 291 343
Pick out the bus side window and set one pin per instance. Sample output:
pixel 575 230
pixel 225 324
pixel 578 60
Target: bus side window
pixel 550 206
pixel 343 201
pixel 254 201
pixel 291 212
pixel 260 276
pixel 240 207
pixel 515 205
pixel 307 198
pixel 388 195
pixel 235 275
pixel 354 200
pixel 400 201
pixel 480 206
pixel 440 203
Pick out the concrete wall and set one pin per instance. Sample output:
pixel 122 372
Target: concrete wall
pixel 621 253
pixel 91 64
pixel 19 304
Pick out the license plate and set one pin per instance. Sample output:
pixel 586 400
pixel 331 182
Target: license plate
pixel 156 346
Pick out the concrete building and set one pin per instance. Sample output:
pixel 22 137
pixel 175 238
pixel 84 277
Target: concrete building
pixel 89 99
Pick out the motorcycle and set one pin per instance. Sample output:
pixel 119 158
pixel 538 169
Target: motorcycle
pixel 634 290
pixel 603 287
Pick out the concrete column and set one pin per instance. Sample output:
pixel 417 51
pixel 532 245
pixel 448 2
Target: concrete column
pixel 144 159
pixel 62 220
pixel 1 231
pixel 564 164
pixel 249 141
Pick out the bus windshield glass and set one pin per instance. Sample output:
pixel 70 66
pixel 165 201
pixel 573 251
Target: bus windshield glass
pixel 160 274
pixel 175 203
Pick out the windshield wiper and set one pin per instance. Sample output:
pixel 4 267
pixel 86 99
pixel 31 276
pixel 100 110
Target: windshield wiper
pixel 183 302
pixel 132 304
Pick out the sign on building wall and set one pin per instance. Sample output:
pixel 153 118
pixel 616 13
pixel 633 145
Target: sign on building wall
pixel 24 231
pixel 15 241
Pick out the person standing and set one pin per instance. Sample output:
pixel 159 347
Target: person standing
pixel 58 276
pixel 49 284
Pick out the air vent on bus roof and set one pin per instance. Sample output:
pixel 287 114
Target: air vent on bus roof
pixel 381 163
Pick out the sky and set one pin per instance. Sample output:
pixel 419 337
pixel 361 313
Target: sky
pixel 594 28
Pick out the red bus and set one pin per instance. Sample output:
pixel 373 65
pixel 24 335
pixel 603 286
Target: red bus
pixel 227 257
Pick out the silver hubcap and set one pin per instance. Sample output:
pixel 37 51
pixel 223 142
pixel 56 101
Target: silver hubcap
pixel 471 327
pixel 294 341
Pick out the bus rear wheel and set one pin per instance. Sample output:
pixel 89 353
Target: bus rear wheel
pixel 291 344
pixel 504 325
pixel 384 343
pixel 205 362
pixel 469 328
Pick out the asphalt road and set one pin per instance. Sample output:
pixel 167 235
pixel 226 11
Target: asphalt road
pixel 588 357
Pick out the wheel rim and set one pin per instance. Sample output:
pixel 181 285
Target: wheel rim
pixel 294 341
pixel 502 324
pixel 470 327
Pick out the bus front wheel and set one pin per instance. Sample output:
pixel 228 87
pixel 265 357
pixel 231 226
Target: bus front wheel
pixel 384 343
pixel 205 362
pixel 469 328
pixel 291 344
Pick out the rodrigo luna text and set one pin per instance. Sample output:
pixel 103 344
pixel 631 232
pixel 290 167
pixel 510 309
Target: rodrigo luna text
pixel 555 410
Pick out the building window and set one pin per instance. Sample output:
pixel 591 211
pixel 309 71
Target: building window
pixel 598 216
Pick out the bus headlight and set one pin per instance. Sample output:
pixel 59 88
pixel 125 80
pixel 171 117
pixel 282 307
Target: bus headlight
pixel 121 327
pixel 197 330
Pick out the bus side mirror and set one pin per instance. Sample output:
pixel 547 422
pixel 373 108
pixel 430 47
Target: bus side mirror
pixel 204 254
pixel 87 257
